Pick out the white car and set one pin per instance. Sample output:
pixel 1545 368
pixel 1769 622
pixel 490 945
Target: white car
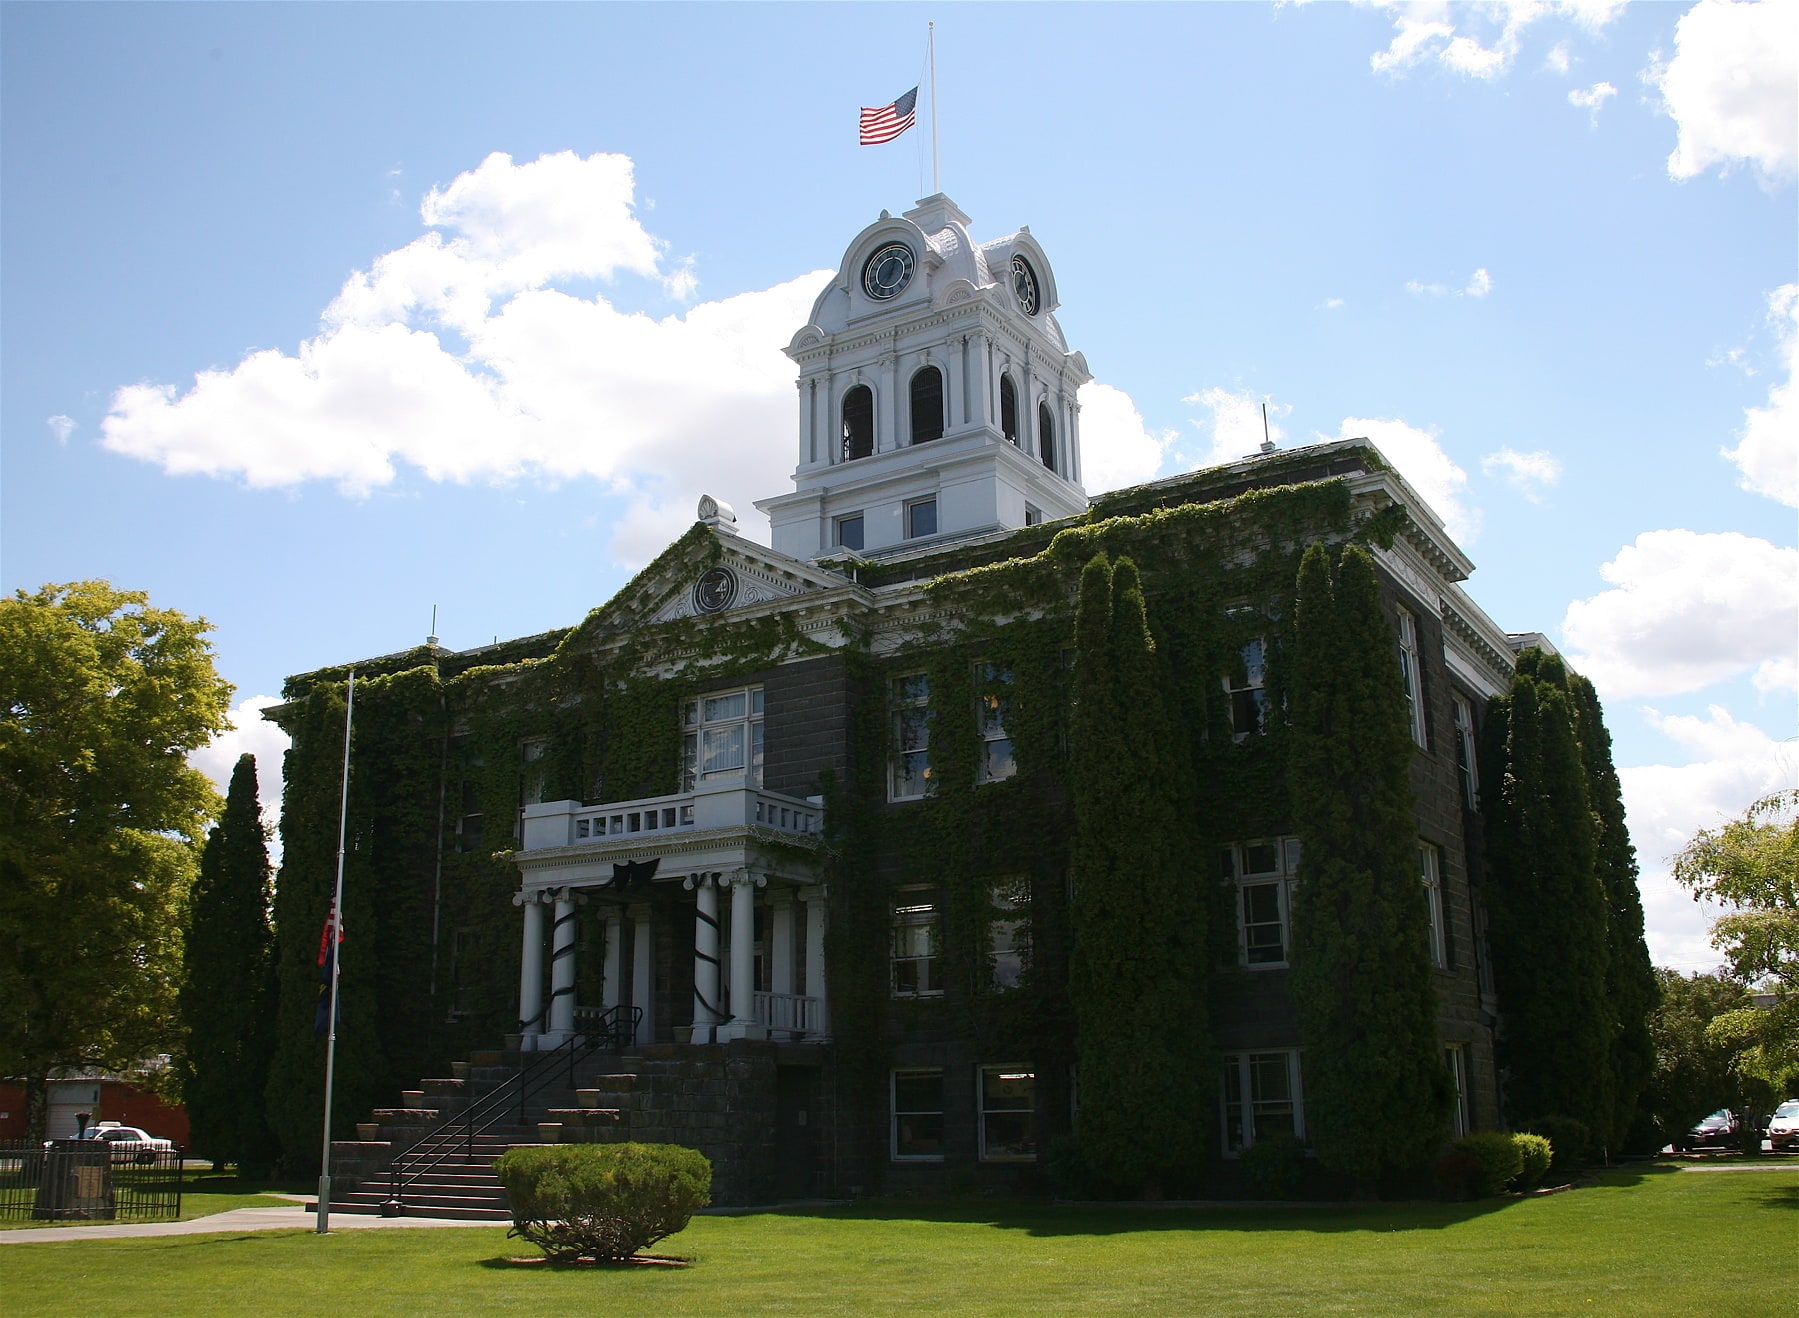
pixel 126 1140
pixel 1783 1126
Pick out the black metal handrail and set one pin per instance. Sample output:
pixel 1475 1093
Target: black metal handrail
pixel 614 1029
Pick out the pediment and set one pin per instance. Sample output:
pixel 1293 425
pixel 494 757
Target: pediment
pixel 710 573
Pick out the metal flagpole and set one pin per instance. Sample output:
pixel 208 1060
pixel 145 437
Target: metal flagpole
pixel 931 44
pixel 337 965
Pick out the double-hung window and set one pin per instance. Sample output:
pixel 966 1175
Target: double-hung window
pixel 1430 867
pixel 917 927
pixel 917 1105
pixel 993 707
pixel 1009 932
pixel 1467 759
pixel 1262 1097
pixel 1264 873
pixel 721 737
pixel 1008 1113
pixel 1410 675
pixel 910 700
pixel 1245 686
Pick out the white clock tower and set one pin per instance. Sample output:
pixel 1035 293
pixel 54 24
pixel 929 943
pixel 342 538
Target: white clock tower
pixel 937 394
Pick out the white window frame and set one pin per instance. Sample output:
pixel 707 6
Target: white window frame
pixel 1455 1058
pixel 1242 1070
pixel 1467 747
pixel 1430 870
pixel 1411 676
pixel 992 704
pixel 1281 879
pixel 912 507
pixel 917 937
pixel 706 728
pixel 839 523
pixel 906 693
pixel 897 1115
pixel 1246 685
pixel 986 1106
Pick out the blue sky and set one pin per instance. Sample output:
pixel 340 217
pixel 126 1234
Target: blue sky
pixel 319 316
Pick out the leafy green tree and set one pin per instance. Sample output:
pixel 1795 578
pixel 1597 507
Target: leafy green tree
pixel 102 697
pixel 1695 1070
pixel 1631 988
pixel 1139 970
pixel 1377 1093
pixel 228 996
pixel 1548 926
pixel 1752 865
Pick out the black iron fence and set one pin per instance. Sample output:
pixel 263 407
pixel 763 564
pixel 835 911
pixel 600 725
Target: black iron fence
pixel 88 1180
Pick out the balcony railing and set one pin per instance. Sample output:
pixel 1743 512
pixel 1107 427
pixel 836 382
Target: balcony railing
pixel 792 1013
pixel 569 823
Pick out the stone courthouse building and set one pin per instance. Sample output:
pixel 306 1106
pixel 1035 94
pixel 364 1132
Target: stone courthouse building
pixel 806 804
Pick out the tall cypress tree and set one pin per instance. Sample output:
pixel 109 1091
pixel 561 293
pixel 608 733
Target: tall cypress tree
pixel 1377 1092
pixel 227 999
pixel 1139 970
pixel 1548 926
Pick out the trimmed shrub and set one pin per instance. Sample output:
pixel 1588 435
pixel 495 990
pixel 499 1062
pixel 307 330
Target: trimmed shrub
pixel 1537 1155
pixel 602 1201
pixel 1458 1176
pixel 1569 1139
pixel 1500 1160
pixel 1272 1167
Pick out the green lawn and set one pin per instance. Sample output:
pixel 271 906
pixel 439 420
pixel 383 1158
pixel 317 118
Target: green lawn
pixel 1642 1241
pixel 202 1196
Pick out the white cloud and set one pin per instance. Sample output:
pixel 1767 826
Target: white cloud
pixel 1479 41
pixel 1426 467
pixel 1730 87
pixel 534 382
pixel 1558 59
pixel 61 426
pixel 1332 303
pixel 1117 449
pixel 1528 473
pixel 1235 425
pixel 1592 99
pixel 1768 454
pixel 1479 284
pixel 249 734
pixel 1732 764
pixel 1688 609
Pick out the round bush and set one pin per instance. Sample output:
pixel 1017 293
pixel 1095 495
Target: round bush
pixel 1569 1140
pixel 602 1201
pixel 1500 1160
pixel 1272 1167
pixel 1537 1155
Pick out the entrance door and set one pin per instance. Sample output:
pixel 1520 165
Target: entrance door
pixel 796 1132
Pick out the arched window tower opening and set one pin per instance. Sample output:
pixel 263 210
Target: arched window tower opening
pixel 1008 409
pixel 927 405
pixel 1046 436
pixel 858 423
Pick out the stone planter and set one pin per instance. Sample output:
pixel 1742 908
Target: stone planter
pixel 549 1132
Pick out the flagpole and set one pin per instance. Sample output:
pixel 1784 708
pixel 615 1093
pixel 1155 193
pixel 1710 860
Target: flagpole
pixel 931 44
pixel 337 922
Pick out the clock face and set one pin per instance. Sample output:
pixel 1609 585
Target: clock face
pixel 715 590
pixel 1024 285
pixel 888 272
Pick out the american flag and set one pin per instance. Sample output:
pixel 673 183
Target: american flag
pixel 889 121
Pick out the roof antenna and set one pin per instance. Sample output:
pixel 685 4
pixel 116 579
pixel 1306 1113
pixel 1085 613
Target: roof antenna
pixel 432 638
pixel 1267 443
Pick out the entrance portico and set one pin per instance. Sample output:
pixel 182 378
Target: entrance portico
pixel 632 858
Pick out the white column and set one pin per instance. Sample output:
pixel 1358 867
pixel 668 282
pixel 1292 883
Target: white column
pixel 815 956
pixel 562 968
pixel 530 970
pixel 615 937
pixel 643 971
pixel 706 1013
pixel 780 943
pixel 743 1023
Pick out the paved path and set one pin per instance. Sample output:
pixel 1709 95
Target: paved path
pixel 286 1218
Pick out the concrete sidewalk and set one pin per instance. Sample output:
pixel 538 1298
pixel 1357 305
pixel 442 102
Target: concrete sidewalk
pixel 289 1217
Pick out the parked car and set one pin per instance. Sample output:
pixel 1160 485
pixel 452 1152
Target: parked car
pixel 1783 1126
pixel 1719 1130
pixel 125 1141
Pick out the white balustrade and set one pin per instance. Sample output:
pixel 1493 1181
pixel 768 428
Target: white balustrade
pixel 793 1013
